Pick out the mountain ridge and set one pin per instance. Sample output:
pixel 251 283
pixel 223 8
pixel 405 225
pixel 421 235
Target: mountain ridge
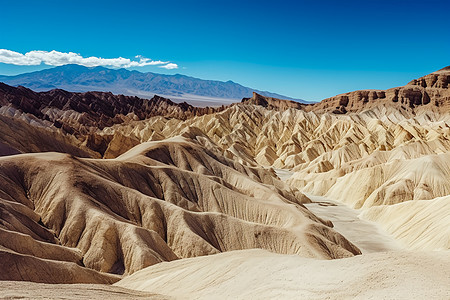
pixel 77 78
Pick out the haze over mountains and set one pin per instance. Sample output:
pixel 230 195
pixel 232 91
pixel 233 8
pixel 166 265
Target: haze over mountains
pixel 76 78
pixel 172 199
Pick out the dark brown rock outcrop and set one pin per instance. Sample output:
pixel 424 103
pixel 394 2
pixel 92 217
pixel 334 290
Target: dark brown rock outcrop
pixel 75 113
pixel 428 92
pixel 272 103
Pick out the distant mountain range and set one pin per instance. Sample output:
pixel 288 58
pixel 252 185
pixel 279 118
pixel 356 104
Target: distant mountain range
pixel 76 78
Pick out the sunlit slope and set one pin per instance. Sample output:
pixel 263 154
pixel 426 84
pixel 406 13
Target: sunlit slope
pixel 158 202
pixel 257 274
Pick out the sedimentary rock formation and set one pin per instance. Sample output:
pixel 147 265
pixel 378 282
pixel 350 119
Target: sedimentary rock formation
pixel 158 202
pixel 272 103
pixel 177 181
pixel 431 91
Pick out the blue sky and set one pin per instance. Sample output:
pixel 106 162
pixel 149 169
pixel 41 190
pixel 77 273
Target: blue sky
pixel 303 49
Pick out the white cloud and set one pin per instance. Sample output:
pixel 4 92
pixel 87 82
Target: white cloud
pixel 56 58
pixel 169 66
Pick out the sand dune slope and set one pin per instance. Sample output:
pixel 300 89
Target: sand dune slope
pixel 252 274
pixel 421 224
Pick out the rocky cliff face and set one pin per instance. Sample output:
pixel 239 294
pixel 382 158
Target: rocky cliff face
pixel 439 79
pixel 431 91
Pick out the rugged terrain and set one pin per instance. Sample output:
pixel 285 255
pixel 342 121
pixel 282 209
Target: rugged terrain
pixel 96 187
pixel 158 202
